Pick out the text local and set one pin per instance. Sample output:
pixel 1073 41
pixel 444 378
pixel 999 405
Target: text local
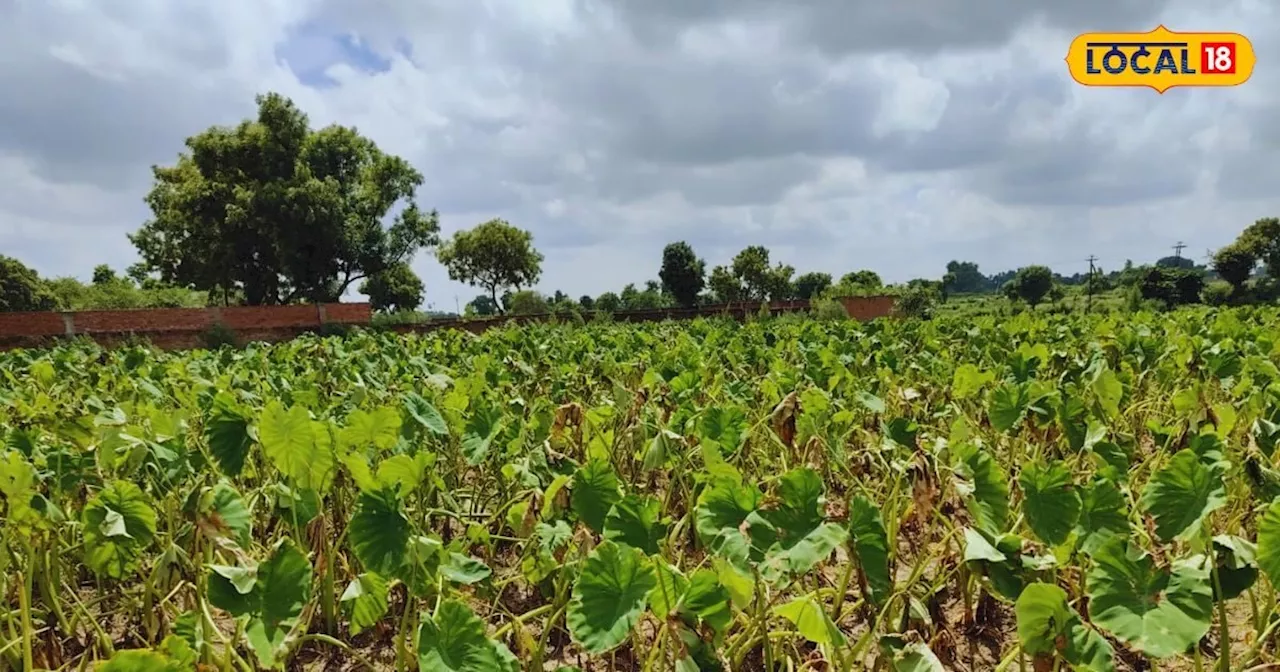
pixel 1115 61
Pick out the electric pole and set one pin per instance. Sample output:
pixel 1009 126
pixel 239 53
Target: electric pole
pixel 1089 284
pixel 1177 249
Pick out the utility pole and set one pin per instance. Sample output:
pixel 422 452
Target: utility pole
pixel 1089 284
pixel 1177 249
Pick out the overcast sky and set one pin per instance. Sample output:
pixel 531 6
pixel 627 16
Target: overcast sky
pixel 842 134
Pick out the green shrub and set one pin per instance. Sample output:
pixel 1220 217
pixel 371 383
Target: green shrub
pixel 828 310
pixel 220 335
pixel 1217 293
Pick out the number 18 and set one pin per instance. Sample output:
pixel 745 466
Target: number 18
pixel 1218 58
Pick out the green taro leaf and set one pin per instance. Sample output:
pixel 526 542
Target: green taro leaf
pixel 464 569
pixel 609 596
pixel 1236 560
pixel 670 589
pixel 1046 622
pixel 1182 494
pixel 142 660
pixel 228 435
pixel 379 532
pixel 1008 405
pixel 367 595
pixel 595 490
pixel 1161 612
pixel 803 554
pixel 1102 515
pixel 708 600
pixel 1109 391
pixel 871 546
pixel 119 524
pixel 454 640
pixel 986 488
pixel 297 445
pixel 968 380
pixel 481 429
pixel 1268 556
pixel 277 590
pixel 1050 501
pixel 225 514
pixel 633 521
pixel 378 430
pixel 811 621
pixel 425 414
pixel 917 657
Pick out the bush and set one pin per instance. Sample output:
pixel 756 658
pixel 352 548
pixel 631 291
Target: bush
pixel 527 302
pixel 1217 293
pixel 828 310
pixel 919 301
pixel 220 335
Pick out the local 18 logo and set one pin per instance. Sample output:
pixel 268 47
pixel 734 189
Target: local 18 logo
pixel 1161 59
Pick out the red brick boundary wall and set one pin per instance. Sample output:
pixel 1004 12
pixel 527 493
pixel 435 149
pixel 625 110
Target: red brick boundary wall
pixel 185 328
pixel 176 328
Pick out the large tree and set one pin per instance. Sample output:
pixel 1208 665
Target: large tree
pixel 494 255
pixel 280 212
pixel 21 288
pixel 394 288
pixel 682 274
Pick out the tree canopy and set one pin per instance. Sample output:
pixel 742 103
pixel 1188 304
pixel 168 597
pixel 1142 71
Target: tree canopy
pixel 21 288
pixel 810 285
pixel 281 212
pixel 393 289
pixel 682 274
pixel 1032 284
pixel 493 255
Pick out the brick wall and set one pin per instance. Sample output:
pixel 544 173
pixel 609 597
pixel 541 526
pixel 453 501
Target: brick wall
pixel 176 327
pixel 179 328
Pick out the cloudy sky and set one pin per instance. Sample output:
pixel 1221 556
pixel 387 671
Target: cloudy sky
pixel 842 134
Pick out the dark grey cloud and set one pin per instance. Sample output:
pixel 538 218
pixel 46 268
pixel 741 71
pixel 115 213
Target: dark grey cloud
pixel 869 26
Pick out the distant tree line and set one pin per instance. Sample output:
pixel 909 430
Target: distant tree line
pixel 272 211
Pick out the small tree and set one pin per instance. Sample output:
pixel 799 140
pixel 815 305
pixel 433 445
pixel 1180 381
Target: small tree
pixel 527 302
pixel 609 302
pixel 587 302
pixel 1234 263
pixel 1262 238
pixel 726 286
pixel 1172 286
pixel 812 284
pixel 1032 284
pixel 965 277
pixel 483 306
pixel 102 274
pixel 494 255
pixel 682 273
pixel 21 288
pixel 394 289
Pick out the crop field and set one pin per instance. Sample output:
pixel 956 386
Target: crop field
pixel 1041 492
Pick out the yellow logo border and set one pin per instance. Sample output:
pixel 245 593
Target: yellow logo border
pixel 1246 60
